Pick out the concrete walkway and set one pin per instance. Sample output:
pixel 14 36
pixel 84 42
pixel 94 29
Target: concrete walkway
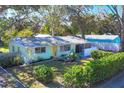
pixel 8 81
pixel 115 82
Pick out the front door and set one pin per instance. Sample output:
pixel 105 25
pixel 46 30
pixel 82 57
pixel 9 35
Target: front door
pixel 54 51
pixel 79 48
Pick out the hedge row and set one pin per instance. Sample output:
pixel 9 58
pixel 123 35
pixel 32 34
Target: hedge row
pixel 94 72
pixel 97 54
pixel 9 60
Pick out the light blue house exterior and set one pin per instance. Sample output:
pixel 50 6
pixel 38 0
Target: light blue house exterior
pixel 105 42
pixel 29 48
pixel 34 49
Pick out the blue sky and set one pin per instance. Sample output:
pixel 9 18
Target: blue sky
pixel 98 8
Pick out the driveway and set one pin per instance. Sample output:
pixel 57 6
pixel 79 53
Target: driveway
pixel 8 81
pixel 115 82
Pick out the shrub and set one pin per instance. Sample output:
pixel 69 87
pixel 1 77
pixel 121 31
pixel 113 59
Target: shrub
pixel 43 73
pixel 8 60
pixel 106 67
pixel 73 56
pixel 76 77
pixel 97 54
pixel 95 71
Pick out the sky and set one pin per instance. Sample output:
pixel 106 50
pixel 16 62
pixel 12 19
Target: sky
pixel 98 8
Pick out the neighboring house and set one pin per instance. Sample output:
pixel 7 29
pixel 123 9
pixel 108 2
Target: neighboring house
pixel 105 42
pixel 45 47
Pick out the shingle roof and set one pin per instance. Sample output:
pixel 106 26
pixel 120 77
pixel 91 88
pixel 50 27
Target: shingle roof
pixel 38 41
pixel 47 40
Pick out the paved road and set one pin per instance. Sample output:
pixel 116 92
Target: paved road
pixel 115 82
pixel 7 80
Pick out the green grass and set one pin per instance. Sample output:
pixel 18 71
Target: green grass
pixel 25 75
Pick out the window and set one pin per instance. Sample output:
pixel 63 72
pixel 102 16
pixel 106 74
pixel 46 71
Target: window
pixel 40 50
pixel 37 50
pixel 79 48
pixel 87 45
pixel 65 48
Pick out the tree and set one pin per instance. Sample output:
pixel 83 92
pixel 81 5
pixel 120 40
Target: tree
pixel 120 18
pixel 27 32
pixel 53 17
pixel 20 18
pixel 107 24
pixel 79 11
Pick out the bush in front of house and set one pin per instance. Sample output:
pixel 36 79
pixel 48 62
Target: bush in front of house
pixel 95 71
pixel 97 54
pixel 43 73
pixel 106 67
pixel 70 57
pixel 77 76
pixel 73 56
pixel 9 60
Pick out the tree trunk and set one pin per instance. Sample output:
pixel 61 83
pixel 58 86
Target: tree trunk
pixel 80 25
pixel 122 30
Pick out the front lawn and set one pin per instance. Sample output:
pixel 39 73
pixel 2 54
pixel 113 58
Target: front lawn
pixel 25 75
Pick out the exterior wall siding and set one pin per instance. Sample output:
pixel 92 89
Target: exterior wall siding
pixel 46 55
pixel 32 57
pixel 108 45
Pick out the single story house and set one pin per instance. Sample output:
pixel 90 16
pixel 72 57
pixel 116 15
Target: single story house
pixel 105 42
pixel 45 47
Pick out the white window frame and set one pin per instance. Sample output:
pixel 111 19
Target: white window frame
pixel 40 50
